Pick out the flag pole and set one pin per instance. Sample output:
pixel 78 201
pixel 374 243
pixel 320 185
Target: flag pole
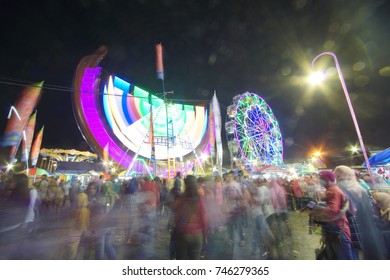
pixel 160 75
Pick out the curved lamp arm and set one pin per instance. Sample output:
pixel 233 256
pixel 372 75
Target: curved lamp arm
pixel 350 109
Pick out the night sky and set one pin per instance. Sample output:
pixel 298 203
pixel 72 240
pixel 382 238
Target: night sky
pixel 229 46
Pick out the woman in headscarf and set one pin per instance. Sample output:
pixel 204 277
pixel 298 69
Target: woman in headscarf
pixel 382 200
pixel 364 232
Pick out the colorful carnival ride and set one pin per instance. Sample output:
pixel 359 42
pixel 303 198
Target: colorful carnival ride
pixel 253 134
pixel 139 131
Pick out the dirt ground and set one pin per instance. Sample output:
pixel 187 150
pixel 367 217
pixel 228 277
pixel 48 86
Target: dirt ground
pixel 305 243
pixel 302 244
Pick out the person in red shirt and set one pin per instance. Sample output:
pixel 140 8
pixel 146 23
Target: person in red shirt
pixel 336 228
pixel 190 221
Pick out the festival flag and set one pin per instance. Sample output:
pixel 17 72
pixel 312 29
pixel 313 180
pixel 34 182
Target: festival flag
pixel 106 158
pixel 29 132
pixel 217 121
pixel 12 153
pixel 19 115
pixel 105 152
pixel 36 147
pixel 212 132
pixel 159 62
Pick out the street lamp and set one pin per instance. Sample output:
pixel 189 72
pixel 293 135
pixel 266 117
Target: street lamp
pixel 9 167
pixel 354 149
pixel 317 154
pixel 350 109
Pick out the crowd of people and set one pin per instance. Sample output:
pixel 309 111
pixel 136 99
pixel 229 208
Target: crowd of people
pixel 348 212
pixel 353 217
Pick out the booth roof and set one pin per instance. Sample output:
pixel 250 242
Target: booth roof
pixel 77 168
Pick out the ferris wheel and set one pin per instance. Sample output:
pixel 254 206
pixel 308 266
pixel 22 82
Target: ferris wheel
pixel 253 133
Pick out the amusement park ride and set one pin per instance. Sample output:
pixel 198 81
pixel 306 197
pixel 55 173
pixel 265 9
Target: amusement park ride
pixel 253 133
pixel 148 133
pixel 139 131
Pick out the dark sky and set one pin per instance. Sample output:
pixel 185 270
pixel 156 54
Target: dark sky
pixel 229 46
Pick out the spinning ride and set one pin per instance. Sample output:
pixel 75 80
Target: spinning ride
pixel 124 123
pixel 253 133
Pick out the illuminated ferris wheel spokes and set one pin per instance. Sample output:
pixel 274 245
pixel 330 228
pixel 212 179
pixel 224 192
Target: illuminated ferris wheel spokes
pixel 253 133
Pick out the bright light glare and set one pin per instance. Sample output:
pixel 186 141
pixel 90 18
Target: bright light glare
pixel 354 149
pixel 317 154
pixel 316 78
pixel 310 167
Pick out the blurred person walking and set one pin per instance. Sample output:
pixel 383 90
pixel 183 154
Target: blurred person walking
pixel 338 244
pixel 130 191
pixel 16 215
pixel 65 185
pixel 78 232
pixel 42 188
pixel 163 192
pixel 177 181
pixel 190 221
pixel 33 215
pixel 233 200
pixel 218 191
pixel 262 236
pixel 172 195
pixel 216 219
pixel 98 236
pixel 365 234
pixel 282 232
pixel 147 199
pixel 108 196
pixel 268 210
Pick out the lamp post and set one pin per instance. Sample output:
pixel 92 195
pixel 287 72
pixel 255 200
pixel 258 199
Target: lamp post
pixel 350 109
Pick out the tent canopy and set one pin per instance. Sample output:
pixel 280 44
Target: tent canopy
pixel 78 168
pixel 272 169
pixel 36 172
pixel 380 158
